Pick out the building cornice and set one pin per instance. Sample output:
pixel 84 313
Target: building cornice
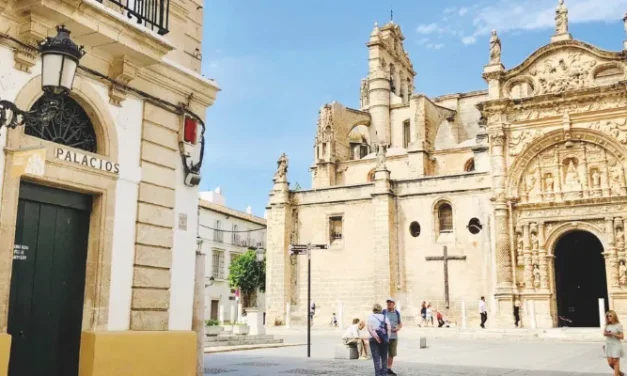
pixel 231 212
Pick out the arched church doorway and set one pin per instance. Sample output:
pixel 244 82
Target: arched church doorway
pixel 580 279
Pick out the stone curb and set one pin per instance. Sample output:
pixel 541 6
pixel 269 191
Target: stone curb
pixel 224 349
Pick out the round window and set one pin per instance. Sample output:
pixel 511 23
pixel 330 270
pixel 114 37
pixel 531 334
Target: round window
pixel 474 226
pixel 414 229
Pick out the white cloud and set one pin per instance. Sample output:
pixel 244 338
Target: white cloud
pixel 450 10
pixel 427 29
pixel 469 40
pixel 435 46
pixel 540 14
pixel 423 41
pixel 463 11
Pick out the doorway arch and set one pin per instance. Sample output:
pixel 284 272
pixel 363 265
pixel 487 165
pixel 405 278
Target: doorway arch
pixel 580 279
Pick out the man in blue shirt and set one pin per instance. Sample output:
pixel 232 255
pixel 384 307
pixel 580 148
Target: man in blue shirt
pixel 394 317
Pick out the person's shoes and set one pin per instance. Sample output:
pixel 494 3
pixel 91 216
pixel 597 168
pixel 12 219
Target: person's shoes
pixel 390 372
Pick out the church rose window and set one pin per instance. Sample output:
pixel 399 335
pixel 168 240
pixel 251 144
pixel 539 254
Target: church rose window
pixel 414 229
pixel 445 217
pixel 69 126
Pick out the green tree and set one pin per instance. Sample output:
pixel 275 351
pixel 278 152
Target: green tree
pixel 249 276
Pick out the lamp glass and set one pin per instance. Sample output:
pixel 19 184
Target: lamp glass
pixel 51 70
pixel 68 73
pixel 261 254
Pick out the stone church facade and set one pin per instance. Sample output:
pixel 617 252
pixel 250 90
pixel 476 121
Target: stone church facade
pixel 523 183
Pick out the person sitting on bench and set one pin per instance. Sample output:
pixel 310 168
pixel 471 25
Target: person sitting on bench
pixel 352 338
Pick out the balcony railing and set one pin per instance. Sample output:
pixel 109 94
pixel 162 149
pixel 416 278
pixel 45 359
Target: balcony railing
pixel 154 14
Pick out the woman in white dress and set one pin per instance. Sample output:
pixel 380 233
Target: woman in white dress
pixel 613 347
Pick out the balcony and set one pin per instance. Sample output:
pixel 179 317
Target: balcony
pixel 153 14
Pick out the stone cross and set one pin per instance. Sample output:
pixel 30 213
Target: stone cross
pixel 445 257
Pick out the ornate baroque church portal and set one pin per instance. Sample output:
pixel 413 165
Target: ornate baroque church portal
pixel 547 142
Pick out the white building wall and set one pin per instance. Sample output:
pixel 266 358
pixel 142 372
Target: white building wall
pixel 220 290
pixel 183 255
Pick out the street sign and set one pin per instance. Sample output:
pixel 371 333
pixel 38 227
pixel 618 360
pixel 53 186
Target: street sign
pixel 301 249
pixel 319 246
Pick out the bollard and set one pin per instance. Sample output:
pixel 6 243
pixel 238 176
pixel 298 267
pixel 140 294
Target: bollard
pixel 232 315
pixel 221 312
pixel 288 314
pixel 463 314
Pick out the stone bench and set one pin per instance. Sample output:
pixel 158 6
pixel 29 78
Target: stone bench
pixel 346 352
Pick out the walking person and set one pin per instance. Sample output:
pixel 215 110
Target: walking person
pixel 483 312
pixel 613 333
pixel 423 314
pixel 516 312
pixel 379 329
pixel 394 317
pixel 429 315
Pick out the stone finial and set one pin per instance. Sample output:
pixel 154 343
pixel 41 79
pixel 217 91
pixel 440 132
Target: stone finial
pixel 375 29
pixel 495 48
pixel 625 24
pixel 381 150
pixel 281 172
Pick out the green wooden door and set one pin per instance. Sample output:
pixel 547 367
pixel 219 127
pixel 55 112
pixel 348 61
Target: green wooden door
pixel 48 281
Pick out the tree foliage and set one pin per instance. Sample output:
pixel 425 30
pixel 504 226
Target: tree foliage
pixel 248 275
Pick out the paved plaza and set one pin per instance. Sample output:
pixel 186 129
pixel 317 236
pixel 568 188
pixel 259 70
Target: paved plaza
pixel 442 357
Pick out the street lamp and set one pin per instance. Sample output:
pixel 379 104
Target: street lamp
pixel 261 254
pixel 211 281
pixel 60 58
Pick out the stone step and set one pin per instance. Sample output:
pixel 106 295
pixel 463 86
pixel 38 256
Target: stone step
pixel 242 342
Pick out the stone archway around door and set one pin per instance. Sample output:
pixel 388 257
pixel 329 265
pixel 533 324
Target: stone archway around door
pixel 580 279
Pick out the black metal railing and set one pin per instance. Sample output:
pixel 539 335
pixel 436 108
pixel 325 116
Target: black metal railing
pixel 154 14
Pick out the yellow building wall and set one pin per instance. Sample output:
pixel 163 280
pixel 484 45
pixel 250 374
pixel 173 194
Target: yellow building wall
pixel 136 353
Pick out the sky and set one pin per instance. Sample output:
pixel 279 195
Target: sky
pixel 278 61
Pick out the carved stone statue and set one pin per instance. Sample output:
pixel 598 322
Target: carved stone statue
pixel 364 92
pixel 549 183
pixel 622 273
pixel 596 179
pixel 495 48
pixel 616 173
pixel 572 182
pixel 520 243
pixel 561 19
pixel 281 171
pixel 620 238
pixel 381 156
pixel 531 182
pixel 535 244
pixel 325 117
pixel 537 277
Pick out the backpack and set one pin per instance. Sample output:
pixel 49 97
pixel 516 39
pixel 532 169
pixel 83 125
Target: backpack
pixel 382 330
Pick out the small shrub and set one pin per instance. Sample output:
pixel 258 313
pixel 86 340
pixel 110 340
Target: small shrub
pixel 278 321
pixel 212 323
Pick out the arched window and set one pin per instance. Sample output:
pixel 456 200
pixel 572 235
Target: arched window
pixel 470 165
pixel 445 218
pixel 69 125
pixel 392 78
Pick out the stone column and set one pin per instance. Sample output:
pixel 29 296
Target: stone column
pixel 384 257
pixel 278 264
pixel 198 321
pixel 611 262
pixel 527 260
pixel 544 270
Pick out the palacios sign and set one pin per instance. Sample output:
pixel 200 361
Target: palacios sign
pixel 87 160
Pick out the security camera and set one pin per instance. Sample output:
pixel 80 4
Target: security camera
pixel 192 180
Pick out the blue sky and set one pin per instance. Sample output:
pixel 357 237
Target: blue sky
pixel 279 61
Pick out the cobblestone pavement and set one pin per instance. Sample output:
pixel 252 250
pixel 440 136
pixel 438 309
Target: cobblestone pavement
pixel 243 364
pixel 442 357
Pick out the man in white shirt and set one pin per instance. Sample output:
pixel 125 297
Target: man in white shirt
pixel 352 337
pixel 483 312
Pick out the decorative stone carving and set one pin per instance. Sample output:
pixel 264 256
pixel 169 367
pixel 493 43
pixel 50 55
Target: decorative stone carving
pixel 616 129
pixel 616 178
pixel 381 149
pixel 560 73
pixel 549 183
pixel 573 108
pixel 561 19
pixel 25 59
pixel 364 93
pixel 571 179
pixel 537 277
pixel 519 141
pixel 520 244
pixel 622 273
pixel 122 71
pixel 534 242
pixel 325 117
pixel 495 48
pixel 620 238
pixel 595 178
pixel 281 172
